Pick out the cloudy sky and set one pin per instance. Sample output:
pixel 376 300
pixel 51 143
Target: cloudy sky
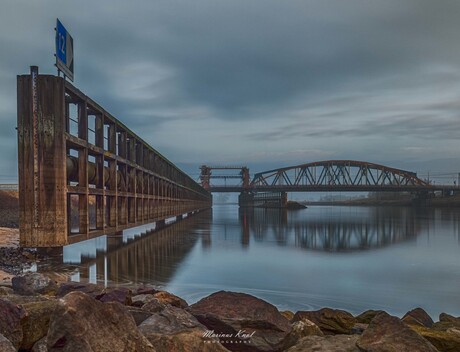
pixel 263 83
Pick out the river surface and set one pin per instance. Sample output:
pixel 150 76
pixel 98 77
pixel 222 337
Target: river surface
pixel 352 258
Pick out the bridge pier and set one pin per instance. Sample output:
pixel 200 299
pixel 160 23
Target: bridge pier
pixel 246 200
pixel 263 200
pixel 422 199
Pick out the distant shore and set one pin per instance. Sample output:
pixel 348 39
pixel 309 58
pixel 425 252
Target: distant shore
pixel 453 201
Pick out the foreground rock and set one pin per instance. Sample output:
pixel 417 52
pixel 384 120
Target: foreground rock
pixel 367 316
pixel 444 340
pixel 41 345
pixel 11 318
pixel 89 317
pixel 36 324
pixel 6 345
pixel 447 321
pixel 174 329
pixel 301 329
pixel 330 343
pixel 121 295
pixel 386 333
pixel 168 298
pixel 418 317
pixel 330 321
pixel 33 283
pixel 93 290
pixel 140 300
pixel 80 323
pixel 233 314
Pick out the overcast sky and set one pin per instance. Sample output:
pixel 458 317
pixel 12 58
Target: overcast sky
pixel 263 83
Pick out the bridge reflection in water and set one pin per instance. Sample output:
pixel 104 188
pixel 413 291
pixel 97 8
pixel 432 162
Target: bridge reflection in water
pixel 378 228
pixel 139 255
pixel 211 241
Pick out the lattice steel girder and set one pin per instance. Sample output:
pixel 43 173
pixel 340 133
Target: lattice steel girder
pixel 338 173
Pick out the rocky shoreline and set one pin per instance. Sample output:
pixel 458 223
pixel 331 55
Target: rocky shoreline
pixel 39 314
pixel 46 312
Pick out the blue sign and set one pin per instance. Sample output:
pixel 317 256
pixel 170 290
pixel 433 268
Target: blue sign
pixel 64 50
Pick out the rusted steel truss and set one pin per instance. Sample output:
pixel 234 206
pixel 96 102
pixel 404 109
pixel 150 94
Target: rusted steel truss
pixel 338 174
pixel 206 175
pixel 83 173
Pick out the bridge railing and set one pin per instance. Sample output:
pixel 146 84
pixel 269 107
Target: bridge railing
pixel 83 173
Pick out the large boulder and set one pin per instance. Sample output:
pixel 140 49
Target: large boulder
pixel 386 333
pixel 154 306
pixel 447 321
pixel 40 346
pixel 121 295
pixel 366 316
pixel 139 314
pixel 287 314
pixel 247 323
pixel 12 317
pixel 174 329
pixel 145 290
pixel 6 345
pixel 33 283
pixel 92 290
pixel 444 340
pixel 140 300
pixel 419 317
pixel 35 325
pixel 330 321
pixel 301 329
pixel 447 318
pixel 168 298
pixel 329 343
pixel 81 323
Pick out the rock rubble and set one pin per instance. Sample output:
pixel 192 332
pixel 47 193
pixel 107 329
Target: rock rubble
pixel 37 314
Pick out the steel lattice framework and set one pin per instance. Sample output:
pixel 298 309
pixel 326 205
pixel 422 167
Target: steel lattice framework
pixel 338 175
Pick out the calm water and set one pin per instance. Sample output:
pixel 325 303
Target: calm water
pixel 353 258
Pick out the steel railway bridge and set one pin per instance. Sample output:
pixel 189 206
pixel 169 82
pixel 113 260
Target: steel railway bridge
pixel 320 176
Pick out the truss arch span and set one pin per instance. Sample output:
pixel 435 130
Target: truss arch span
pixel 349 174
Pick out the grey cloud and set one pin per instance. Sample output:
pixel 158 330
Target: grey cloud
pixel 314 69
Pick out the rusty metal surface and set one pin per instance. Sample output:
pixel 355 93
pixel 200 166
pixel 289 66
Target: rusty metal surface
pixel 91 175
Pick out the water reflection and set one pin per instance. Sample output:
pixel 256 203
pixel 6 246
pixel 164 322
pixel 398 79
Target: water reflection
pixel 139 255
pixel 318 257
pixel 365 229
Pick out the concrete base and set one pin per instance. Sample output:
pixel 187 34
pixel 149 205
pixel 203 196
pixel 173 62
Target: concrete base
pixel 263 200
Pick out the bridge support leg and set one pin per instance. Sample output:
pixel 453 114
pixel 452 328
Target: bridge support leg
pixel 246 200
pixel 42 161
pixel 283 200
pixel 422 199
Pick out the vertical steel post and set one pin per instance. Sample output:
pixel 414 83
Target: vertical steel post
pixel 36 164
